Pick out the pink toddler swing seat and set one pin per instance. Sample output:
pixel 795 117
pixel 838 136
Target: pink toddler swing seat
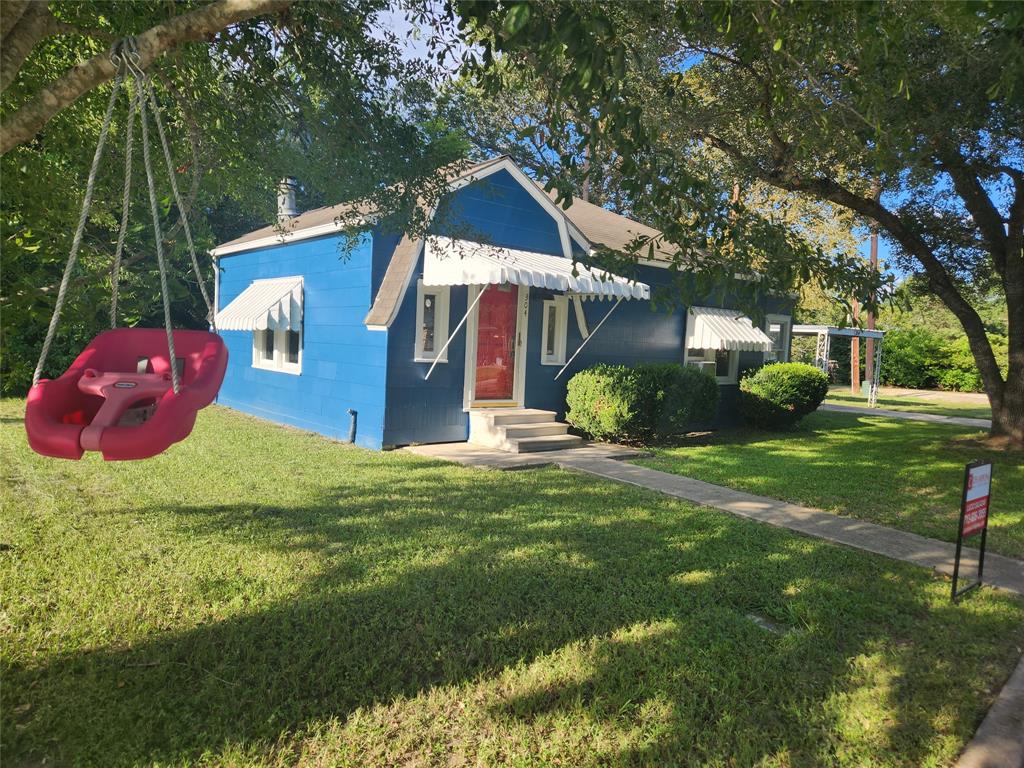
pixel 117 397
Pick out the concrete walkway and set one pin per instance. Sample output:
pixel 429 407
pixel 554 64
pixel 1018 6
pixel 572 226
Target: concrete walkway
pixel 606 461
pixel 1002 572
pixel 962 421
pixel 999 571
pixel 999 740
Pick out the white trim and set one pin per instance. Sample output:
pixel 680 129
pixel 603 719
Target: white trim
pixel 561 307
pixel 581 318
pixel 472 334
pixel 442 297
pixel 709 357
pixel 216 289
pixel 787 335
pixel 278 364
pixel 504 163
pixel 283 238
pixel 587 340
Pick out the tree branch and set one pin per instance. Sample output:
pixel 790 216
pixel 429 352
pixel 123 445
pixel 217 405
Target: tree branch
pixel 32 116
pixel 11 12
pixel 941 281
pixel 33 25
pixel 978 203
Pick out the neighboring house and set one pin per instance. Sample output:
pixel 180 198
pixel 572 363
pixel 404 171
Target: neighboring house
pixel 378 339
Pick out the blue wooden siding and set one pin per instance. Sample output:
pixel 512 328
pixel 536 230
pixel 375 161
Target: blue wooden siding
pixel 498 211
pixel 495 210
pixel 635 333
pixel 343 363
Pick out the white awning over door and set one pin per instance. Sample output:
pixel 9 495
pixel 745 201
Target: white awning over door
pixel 713 328
pixel 274 304
pixel 461 262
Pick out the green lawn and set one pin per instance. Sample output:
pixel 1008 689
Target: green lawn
pixel 906 474
pixel 261 596
pixel 939 406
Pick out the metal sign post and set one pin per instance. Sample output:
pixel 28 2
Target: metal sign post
pixel 974 507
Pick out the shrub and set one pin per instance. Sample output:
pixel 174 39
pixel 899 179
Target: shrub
pixel 639 403
pixel 777 396
pixel 959 371
pixel 912 358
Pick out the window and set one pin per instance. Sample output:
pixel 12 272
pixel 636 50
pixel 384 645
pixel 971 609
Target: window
pixel 268 346
pixel 277 350
pixel 431 322
pixel 291 354
pixel 553 331
pixel 723 363
pixel 777 327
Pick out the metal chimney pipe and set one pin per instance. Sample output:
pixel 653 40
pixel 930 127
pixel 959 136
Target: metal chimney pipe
pixel 286 205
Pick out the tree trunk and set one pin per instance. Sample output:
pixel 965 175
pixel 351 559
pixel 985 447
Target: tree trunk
pixel 30 118
pixel 1008 412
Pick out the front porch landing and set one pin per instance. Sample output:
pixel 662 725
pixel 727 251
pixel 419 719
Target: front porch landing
pixel 491 458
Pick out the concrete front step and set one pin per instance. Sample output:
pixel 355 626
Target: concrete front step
pixel 503 416
pixel 545 443
pixel 519 430
pixel 539 429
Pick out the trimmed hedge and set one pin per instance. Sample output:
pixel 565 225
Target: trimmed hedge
pixel 777 396
pixel 920 358
pixel 639 403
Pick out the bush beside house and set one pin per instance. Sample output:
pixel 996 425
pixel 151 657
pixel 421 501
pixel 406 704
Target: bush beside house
pixel 920 358
pixel 778 396
pixel 639 403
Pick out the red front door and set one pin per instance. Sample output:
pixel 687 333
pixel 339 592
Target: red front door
pixel 498 312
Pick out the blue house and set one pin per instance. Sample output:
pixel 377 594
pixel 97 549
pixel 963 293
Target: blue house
pixel 469 333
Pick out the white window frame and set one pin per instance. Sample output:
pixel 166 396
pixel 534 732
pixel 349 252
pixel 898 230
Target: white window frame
pixel 709 357
pixel 787 321
pixel 442 299
pixel 561 305
pixel 278 363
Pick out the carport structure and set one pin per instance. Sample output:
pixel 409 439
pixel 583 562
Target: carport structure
pixel 825 334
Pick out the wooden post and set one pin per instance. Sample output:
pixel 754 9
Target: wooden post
pixel 855 352
pixel 869 356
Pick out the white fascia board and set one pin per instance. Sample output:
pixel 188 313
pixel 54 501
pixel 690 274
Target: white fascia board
pixel 283 238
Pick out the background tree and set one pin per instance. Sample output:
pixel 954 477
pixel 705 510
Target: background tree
pixel 252 90
pixel 821 100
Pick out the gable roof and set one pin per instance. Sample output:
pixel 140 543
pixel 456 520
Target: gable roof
pixel 591 226
pixel 323 221
pixel 612 230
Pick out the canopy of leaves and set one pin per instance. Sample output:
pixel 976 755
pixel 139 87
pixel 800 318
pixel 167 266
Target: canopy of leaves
pixel 322 92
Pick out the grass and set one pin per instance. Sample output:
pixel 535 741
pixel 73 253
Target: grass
pixel 261 596
pixel 905 474
pixel 940 406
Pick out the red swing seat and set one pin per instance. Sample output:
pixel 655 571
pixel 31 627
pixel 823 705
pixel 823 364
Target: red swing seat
pixel 117 398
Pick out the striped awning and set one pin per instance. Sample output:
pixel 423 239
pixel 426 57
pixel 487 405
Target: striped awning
pixel 713 328
pixel 274 304
pixel 462 262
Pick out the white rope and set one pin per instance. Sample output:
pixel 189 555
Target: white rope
pixel 76 242
pixel 140 77
pixel 177 198
pixel 115 271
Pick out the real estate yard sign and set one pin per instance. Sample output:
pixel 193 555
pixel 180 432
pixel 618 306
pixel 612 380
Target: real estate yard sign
pixel 974 506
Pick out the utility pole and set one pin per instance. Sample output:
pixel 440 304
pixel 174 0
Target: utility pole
pixel 855 352
pixel 869 353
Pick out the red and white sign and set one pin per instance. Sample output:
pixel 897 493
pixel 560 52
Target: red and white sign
pixel 976 496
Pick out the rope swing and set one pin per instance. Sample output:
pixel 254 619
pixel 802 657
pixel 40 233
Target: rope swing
pixel 120 396
pixel 125 56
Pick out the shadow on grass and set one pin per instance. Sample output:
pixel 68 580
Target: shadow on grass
pixel 424 582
